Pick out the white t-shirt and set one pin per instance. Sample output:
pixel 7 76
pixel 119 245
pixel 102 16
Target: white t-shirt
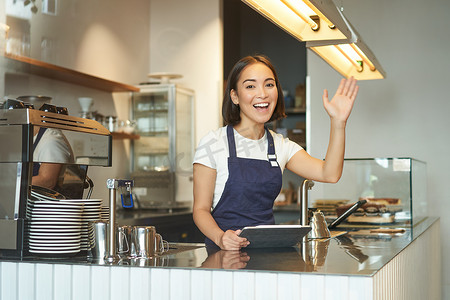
pixel 53 147
pixel 212 152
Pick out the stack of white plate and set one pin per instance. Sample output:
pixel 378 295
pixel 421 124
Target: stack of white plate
pixel 104 214
pixel 91 212
pixel 54 226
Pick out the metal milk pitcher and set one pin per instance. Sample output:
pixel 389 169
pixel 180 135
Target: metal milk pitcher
pixel 143 241
pixel 319 227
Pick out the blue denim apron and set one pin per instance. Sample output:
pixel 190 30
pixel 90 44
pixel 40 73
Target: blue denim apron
pixel 37 166
pixel 250 191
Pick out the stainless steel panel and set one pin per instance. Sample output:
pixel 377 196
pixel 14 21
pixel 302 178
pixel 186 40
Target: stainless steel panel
pixel 8 234
pixel 89 141
pixel 51 120
pixel 9 186
pixel 88 149
pixel 11 138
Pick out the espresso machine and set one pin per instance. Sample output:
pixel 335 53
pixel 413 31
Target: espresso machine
pixel 89 142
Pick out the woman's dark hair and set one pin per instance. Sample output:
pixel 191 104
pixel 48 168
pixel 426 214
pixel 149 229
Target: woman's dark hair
pixel 231 111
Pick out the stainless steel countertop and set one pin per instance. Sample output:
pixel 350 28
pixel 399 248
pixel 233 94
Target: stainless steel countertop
pixel 359 253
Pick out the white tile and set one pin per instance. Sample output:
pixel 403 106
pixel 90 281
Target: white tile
pixel 201 284
pixel 336 287
pixel 100 282
pixel 180 284
pixel 81 282
pixel 312 287
pixel 360 288
pixel 8 279
pixel 222 282
pixel 62 281
pixel 266 286
pixel 44 281
pixel 139 283
pixel 120 283
pixel 159 283
pixel 243 285
pixel 25 281
pixel 288 286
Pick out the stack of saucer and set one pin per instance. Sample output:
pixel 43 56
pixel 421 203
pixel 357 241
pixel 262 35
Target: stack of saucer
pixel 104 214
pixel 91 212
pixel 53 226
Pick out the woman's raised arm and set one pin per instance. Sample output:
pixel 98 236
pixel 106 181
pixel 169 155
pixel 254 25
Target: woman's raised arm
pixel 339 109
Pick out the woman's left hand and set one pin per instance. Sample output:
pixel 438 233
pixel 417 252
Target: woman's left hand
pixel 341 104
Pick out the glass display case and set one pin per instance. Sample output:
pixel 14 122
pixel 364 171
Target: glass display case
pixel 395 190
pixel 162 157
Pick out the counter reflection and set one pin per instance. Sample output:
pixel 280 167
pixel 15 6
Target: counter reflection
pixel 308 257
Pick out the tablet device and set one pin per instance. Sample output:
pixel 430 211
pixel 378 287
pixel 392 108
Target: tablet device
pixel 262 236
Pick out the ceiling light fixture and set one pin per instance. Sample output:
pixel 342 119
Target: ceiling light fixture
pixel 349 58
pixel 302 18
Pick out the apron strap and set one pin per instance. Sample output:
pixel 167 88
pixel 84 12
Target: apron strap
pixel 39 136
pixel 36 166
pixel 271 150
pixel 231 142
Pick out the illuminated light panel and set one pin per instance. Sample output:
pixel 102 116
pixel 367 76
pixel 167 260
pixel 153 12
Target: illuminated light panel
pixel 293 16
pixel 302 11
pixel 319 13
pixel 349 65
pixel 349 58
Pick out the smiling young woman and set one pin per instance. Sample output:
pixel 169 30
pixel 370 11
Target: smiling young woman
pixel 231 111
pixel 238 168
pixel 256 94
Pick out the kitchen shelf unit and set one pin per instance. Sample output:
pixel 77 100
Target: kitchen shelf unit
pixel 164 122
pixel 40 68
pixel 162 158
pixel 296 110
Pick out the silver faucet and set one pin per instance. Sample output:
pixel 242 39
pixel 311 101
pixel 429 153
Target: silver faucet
pixel 319 228
pixel 303 196
pixel 113 185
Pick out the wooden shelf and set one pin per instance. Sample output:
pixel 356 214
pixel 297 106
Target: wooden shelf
pixel 40 68
pixel 296 110
pixel 124 136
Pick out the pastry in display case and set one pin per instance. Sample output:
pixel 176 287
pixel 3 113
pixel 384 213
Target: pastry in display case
pixel 394 190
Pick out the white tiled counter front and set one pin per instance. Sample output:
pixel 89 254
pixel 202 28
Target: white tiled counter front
pixel 406 271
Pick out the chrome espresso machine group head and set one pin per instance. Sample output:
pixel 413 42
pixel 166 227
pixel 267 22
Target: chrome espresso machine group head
pixel 89 142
